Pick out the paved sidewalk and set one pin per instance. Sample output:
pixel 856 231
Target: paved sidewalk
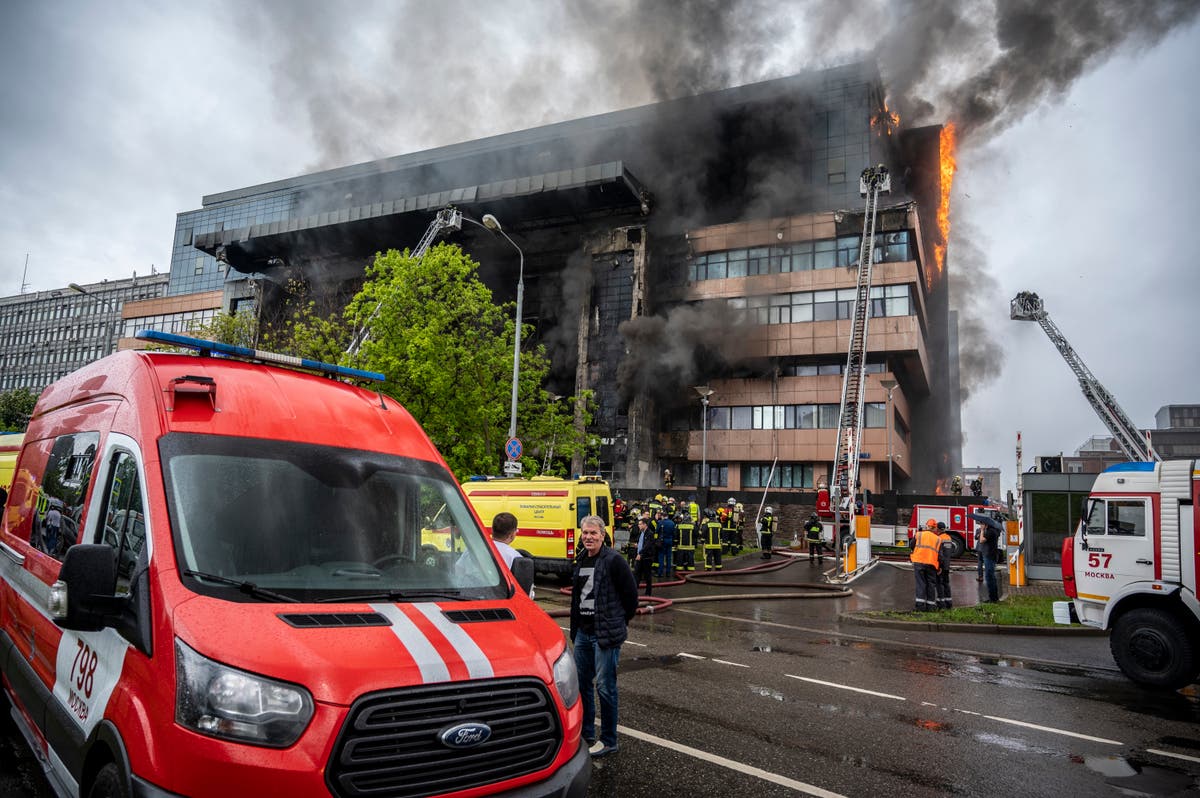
pixel 1035 588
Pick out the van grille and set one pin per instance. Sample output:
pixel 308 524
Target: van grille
pixel 390 742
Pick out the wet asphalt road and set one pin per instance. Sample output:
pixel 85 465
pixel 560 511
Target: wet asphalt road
pixel 781 697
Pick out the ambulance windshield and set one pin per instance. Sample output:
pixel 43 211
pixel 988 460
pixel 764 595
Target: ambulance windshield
pixel 318 523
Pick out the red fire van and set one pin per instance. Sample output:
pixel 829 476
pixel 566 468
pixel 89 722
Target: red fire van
pixel 212 584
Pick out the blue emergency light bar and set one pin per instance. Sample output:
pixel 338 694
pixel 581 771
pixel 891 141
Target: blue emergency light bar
pixel 229 350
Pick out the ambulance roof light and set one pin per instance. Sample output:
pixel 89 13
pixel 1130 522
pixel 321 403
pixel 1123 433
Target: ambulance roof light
pixel 206 348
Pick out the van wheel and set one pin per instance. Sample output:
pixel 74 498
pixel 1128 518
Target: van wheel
pixel 108 783
pixel 957 546
pixel 1153 648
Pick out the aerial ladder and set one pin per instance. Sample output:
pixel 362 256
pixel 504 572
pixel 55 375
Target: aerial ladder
pixel 447 219
pixel 874 181
pixel 1027 306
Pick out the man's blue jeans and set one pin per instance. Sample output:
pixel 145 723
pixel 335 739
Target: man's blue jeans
pixel 597 667
pixel 989 575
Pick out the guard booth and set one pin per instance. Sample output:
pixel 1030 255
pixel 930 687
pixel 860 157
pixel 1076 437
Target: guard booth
pixel 1051 504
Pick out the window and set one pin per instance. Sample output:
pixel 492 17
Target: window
pixel 1126 517
pixel 718 475
pixel 718 418
pixel 794 475
pixel 124 517
pixel 64 486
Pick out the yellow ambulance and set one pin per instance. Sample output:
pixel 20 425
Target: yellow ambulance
pixel 10 447
pixel 548 511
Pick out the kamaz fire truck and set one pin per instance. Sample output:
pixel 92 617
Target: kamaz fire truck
pixel 1131 568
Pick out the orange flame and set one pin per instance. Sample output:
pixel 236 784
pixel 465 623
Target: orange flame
pixel 886 121
pixel 948 166
pixel 942 488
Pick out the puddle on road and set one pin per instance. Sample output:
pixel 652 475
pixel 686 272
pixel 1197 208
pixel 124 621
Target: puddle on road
pixel 1014 744
pixel 1136 778
pixel 644 663
pixel 766 692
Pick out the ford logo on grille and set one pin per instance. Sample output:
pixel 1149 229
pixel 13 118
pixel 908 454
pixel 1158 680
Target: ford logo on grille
pixel 465 735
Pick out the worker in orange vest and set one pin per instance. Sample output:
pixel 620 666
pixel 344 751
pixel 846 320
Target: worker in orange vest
pixel 924 560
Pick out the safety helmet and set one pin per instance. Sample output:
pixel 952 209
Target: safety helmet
pixel 708 513
pixel 731 501
pixel 768 510
pixel 931 524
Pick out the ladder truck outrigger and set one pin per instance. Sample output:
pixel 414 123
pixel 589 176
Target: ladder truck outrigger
pixel 448 218
pixel 874 181
pixel 1027 306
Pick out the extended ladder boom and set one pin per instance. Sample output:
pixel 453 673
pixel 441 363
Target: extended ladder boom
pixel 874 180
pixel 1027 306
pixel 446 219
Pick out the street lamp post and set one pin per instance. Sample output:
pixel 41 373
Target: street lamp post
pixel 493 224
pixel 112 310
pixel 704 392
pixel 889 386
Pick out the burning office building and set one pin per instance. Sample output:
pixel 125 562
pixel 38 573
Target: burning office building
pixel 709 241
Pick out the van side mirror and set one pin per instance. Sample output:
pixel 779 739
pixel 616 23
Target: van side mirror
pixel 83 597
pixel 522 571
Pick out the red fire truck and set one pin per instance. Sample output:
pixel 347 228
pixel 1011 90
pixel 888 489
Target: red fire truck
pixel 963 529
pixel 1131 568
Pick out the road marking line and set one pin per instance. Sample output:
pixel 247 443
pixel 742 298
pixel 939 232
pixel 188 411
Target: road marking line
pixel 846 687
pixel 1176 756
pixel 734 664
pixel 887 641
pixel 631 643
pixel 1053 731
pixel 713 759
pixel 691 656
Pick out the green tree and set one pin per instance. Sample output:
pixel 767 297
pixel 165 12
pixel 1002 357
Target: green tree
pixel 446 349
pixel 16 406
pixel 238 329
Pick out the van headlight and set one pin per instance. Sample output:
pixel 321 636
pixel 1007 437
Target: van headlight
pixel 221 701
pixel 566 680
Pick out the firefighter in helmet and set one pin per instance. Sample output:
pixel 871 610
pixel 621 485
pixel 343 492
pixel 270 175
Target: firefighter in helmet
pixel 685 535
pixel 944 601
pixel 766 530
pixel 814 535
pixel 711 535
pixel 956 485
pixel 729 529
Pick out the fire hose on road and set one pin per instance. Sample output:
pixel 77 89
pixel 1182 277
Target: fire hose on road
pixel 731 578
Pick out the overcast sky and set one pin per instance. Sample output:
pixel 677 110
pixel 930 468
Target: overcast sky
pixel 1078 180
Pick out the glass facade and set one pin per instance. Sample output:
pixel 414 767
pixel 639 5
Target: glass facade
pixel 192 270
pixel 815 416
pixel 49 334
pixel 801 256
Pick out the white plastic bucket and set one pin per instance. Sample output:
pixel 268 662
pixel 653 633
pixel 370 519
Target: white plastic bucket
pixel 1062 612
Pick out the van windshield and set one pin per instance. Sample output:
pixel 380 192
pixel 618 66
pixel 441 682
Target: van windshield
pixel 320 523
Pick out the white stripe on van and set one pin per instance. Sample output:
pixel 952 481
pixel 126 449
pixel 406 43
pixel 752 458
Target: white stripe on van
pixel 478 664
pixel 429 661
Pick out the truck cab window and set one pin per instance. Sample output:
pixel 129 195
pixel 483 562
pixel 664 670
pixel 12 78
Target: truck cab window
pixel 124 517
pixel 63 489
pixel 1117 517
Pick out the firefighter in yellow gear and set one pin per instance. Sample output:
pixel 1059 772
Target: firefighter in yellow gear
pixel 766 530
pixel 685 536
pixel 730 534
pixel 711 535
pixel 924 558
